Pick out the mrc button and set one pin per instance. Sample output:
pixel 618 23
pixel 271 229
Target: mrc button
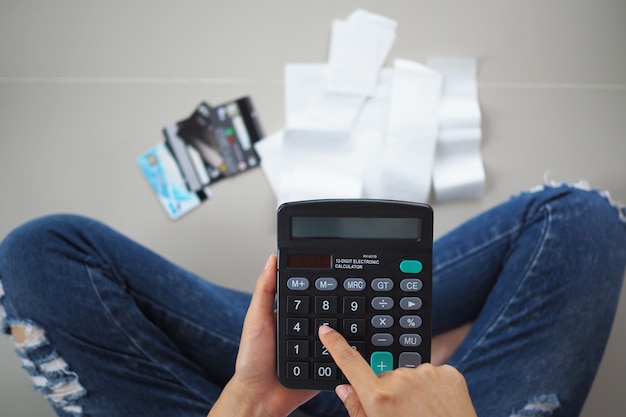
pixel 411 266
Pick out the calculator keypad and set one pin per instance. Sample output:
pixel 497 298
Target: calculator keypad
pixel 382 317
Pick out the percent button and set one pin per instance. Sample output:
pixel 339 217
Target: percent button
pixel 410 322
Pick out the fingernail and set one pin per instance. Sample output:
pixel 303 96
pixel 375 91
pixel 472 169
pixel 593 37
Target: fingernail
pixel 267 263
pixel 343 391
pixel 324 329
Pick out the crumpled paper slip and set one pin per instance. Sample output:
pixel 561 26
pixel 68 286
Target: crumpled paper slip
pixel 358 49
pixel 309 106
pixel 458 170
pixel 356 130
pixel 409 147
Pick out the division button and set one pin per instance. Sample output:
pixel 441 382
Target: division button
pixel 382 303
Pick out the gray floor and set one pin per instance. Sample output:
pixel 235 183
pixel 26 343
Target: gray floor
pixel 86 87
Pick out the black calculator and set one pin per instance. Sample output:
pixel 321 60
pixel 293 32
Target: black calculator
pixel 363 267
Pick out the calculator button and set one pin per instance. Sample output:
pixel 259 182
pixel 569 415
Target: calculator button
pixel 297 348
pixel 297 327
pixel 354 284
pixel 409 360
pixel 297 283
pixel 381 362
pixel 382 321
pixel 382 339
pixel 326 305
pixel 354 305
pixel 325 322
pixel 297 370
pixel 410 322
pixel 320 351
pixel 382 303
pixel 296 304
pixel 411 266
pixel 411 303
pixel 382 284
pixel 354 328
pixel 410 340
pixel 411 285
pixel 358 346
pixel 326 284
pixel 325 371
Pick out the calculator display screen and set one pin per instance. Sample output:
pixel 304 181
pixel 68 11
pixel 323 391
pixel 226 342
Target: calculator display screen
pixel 356 228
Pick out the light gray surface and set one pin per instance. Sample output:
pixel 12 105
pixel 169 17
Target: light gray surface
pixel 86 87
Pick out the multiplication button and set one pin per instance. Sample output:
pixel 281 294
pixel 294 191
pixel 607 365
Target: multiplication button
pixel 382 321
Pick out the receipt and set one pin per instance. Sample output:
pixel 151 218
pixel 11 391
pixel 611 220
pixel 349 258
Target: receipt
pixel 358 49
pixel 458 170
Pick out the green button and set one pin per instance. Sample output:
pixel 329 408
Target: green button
pixel 411 266
pixel 381 362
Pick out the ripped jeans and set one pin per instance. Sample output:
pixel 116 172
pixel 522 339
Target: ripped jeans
pixel 113 329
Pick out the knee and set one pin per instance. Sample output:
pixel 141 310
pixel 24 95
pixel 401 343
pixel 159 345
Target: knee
pixel 32 250
pixel 37 237
pixel 584 213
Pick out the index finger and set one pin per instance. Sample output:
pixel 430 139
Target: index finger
pixel 349 360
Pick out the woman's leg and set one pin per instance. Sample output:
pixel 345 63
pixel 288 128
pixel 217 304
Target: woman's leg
pixel 106 327
pixel 540 277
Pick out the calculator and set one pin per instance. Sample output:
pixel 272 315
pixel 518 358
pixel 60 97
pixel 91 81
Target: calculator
pixel 363 267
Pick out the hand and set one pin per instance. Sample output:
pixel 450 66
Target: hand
pixel 254 389
pixel 434 391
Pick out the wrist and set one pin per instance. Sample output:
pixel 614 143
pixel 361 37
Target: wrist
pixel 239 400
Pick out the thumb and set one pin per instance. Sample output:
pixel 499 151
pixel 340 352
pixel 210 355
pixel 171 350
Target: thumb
pixel 351 401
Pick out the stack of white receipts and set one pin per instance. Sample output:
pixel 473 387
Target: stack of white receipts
pixel 354 129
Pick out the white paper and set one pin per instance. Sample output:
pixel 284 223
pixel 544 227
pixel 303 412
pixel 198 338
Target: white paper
pixel 358 49
pixel 318 164
pixel 458 169
pixel 270 150
pixel 309 106
pixel 409 147
pixel 356 130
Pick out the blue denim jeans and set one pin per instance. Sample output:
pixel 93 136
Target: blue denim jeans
pixel 116 330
